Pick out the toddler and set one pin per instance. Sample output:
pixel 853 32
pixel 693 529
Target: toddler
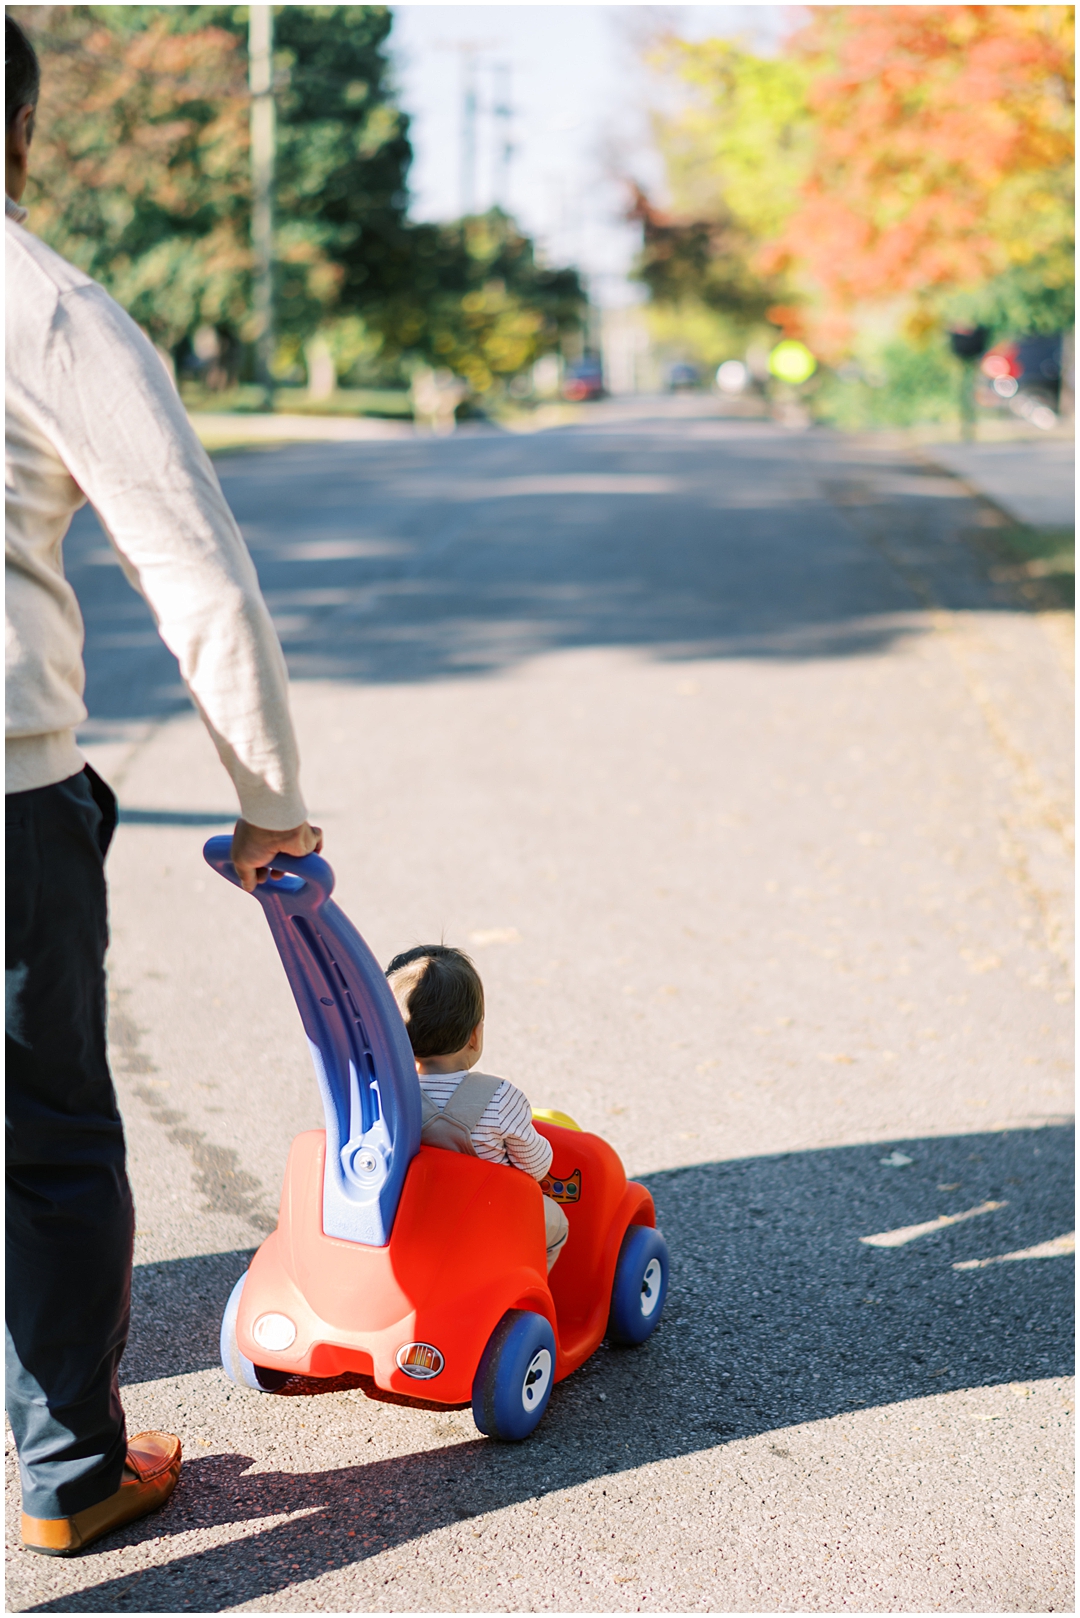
pixel 442 1001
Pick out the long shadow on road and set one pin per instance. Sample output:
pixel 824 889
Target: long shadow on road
pixel 779 1313
pixel 432 559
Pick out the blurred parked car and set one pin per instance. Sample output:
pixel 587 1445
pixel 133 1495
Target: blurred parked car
pixel 681 377
pixel 1024 374
pixel 732 377
pixel 584 379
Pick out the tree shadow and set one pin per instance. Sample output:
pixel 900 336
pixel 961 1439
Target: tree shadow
pixel 433 559
pixel 177 817
pixel 779 1313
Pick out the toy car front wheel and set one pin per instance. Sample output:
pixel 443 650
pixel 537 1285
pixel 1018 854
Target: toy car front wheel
pixel 513 1382
pixel 640 1285
pixel 238 1368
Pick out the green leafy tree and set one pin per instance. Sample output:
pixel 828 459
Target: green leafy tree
pixel 700 261
pixel 141 176
pixel 468 296
pixel 341 167
pixel 477 302
pixel 735 149
pixel 739 143
pixel 139 164
pixel 142 173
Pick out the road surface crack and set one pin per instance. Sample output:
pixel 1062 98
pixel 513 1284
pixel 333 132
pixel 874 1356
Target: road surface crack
pixel 219 1177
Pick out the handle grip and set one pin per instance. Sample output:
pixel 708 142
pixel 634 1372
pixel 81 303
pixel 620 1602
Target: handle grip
pixel 308 874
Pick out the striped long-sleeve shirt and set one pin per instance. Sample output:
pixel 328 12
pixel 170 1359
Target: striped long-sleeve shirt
pixel 505 1133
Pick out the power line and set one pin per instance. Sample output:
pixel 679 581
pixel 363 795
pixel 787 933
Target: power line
pixel 503 112
pixel 468 130
pixel 469 51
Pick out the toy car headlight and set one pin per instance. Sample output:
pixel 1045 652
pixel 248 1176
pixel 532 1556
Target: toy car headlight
pixel 420 1360
pixel 274 1332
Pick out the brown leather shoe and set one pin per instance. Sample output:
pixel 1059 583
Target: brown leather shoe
pixel 153 1466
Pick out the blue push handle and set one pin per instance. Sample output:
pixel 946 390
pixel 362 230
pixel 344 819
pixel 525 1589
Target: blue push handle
pixel 312 870
pixel 359 1048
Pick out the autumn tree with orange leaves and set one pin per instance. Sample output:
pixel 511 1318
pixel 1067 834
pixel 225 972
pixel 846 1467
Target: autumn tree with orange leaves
pixel 897 154
pixel 942 158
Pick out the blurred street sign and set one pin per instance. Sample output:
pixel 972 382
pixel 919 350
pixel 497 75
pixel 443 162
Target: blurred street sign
pixel 969 342
pixel 791 361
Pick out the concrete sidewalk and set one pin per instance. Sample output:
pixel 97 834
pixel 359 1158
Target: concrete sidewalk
pixel 1033 479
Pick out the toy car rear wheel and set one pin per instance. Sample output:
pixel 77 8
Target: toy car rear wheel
pixel 238 1368
pixel 640 1286
pixel 513 1382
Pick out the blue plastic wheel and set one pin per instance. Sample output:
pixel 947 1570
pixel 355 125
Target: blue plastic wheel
pixel 513 1383
pixel 238 1368
pixel 640 1285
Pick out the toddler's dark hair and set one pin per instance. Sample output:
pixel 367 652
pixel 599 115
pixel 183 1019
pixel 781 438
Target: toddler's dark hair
pixel 440 995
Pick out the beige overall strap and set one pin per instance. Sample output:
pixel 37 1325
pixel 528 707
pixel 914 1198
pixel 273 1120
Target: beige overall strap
pixel 470 1100
pixel 428 1109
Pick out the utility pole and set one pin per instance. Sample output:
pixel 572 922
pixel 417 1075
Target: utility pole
pixel 261 80
pixel 504 149
pixel 468 50
pixel 468 130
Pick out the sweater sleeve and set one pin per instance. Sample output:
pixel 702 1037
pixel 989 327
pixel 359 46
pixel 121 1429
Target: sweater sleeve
pixel 119 425
pixel 525 1146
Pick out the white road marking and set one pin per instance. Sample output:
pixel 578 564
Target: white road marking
pixel 1059 1247
pixel 908 1233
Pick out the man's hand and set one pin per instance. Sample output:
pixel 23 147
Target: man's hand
pixel 253 848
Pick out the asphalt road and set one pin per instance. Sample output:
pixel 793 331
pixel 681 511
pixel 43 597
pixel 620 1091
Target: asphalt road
pixel 748 787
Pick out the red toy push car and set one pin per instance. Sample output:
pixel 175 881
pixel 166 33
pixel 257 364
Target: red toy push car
pixel 422 1268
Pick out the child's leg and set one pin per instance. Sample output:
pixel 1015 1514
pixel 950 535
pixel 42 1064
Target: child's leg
pixel 556 1230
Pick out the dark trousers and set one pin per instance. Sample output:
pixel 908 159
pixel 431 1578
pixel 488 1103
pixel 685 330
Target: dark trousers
pixel 70 1223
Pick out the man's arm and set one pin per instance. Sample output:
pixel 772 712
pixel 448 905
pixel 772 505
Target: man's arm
pixel 124 436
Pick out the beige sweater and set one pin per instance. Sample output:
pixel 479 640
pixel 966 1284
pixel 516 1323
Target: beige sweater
pixel 93 415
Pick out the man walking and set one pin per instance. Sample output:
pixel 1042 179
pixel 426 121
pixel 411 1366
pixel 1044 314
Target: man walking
pixel 92 415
